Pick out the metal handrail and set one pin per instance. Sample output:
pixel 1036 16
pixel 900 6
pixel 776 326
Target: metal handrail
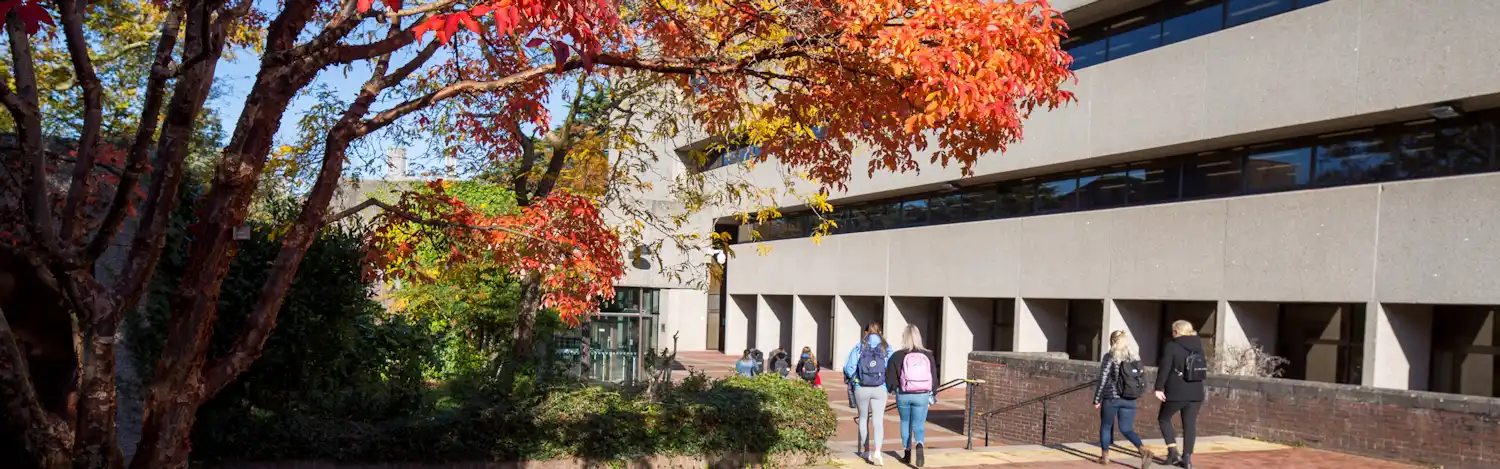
pixel 1043 399
pixel 943 387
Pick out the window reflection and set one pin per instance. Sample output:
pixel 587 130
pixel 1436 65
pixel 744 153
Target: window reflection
pixel 1211 175
pixel 1355 161
pixel 1015 200
pixel 1154 181
pixel 1193 24
pixel 979 204
pixel 1056 195
pixel 1471 148
pixel 1245 11
pixel 1418 155
pixel 914 212
pixel 945 209
pixel 1167 23
pixel 1278 170
pixel 1088 54
pixel 1105 190
pixel 1135 41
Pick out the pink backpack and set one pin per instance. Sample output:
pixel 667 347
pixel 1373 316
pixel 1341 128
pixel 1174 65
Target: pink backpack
pixel 916 373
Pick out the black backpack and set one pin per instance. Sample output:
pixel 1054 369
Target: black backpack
pixel 1132 380
pixel 1194 367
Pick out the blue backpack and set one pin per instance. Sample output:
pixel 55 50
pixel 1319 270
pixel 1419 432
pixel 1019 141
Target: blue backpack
pixel 871 369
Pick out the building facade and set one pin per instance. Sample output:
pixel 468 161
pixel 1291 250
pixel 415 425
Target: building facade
pixel 1316 178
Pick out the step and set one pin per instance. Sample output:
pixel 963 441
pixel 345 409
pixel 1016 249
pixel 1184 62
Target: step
pixel 1070 452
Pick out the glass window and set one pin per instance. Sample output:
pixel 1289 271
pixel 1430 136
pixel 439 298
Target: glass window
pixel 945 209
pixel 1191 25
pixel 1103 190
pixel 1153 181
pixel 1471 148
pixel 1142 38
pixel 1304 3
pixel 979 203
pixel 1015 200
pixel 884 215
pixel 1245 11
pixel 1417 154
pixel 1278 170
pixel 914 212
pixel 1356 161
pixel 1211 175
pixel 1057 195
pixel 1087 54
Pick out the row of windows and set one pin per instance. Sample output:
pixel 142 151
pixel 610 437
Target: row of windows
pixel 1167 23
pixel 1413 150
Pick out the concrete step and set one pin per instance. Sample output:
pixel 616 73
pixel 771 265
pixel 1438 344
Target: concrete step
pixel 1024 454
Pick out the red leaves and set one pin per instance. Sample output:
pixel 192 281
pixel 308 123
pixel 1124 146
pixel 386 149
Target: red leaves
pixel 30 14
pixel 560 53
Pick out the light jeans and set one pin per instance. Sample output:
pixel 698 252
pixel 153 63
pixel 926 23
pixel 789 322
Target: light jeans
pixel 870 402
pixel 913 410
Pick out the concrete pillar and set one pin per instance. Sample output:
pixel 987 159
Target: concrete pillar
pixel 1397 345
pixel 846 328
pixel 893 322
pixel 967 323
pixel 804 324
pixel 1243 324
pixel 1041 325
pixel 684 313
pixel 738 324
pixel 772 321
pixel 1142 319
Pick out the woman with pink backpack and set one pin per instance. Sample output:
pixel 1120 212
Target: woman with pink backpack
pixel 912 373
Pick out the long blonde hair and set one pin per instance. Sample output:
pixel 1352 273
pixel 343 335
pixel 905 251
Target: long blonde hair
pixel 911 338
pixel 1122 348
pixel 1182 328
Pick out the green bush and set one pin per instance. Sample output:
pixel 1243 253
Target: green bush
pixel 765 415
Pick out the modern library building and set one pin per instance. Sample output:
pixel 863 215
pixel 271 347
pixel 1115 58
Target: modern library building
pixel 1316 178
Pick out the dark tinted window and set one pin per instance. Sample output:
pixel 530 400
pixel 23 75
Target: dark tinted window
pixel 1015 200
pixel 945 209
pixel 1471 148
pixel 979 204
pixel 1088 54
pixel 1153 181
pixel 1278 170
pixel 1109 189
pixel 1303 3
pixel 914 212
pixel 1191 25
pixel 1245 11
pixel 1355 161
pixel 1056 195
pixel 1139 39
pixel 1210 175
pixel 1417 154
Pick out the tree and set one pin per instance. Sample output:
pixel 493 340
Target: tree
pixel 883 75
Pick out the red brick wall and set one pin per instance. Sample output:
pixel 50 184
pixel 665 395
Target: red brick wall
pixel 1427 428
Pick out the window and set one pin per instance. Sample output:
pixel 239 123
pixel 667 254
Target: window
pixel 1471 148
pixel 1015 199
pixel 1153 181
pixel 945 209
pixel 1212 174
pixel 1278 170
pixel 1110 189
pixel 1245 11
pixel 1355 161
pixel 1191 25
pixel 979 204
pixel 1057 195
pixel 1088 54
pixel 1322 341
pixel 1418 155
pixel 1305 3
pixel 1465 350
pixel 914 213
pixel 1143 36
pixel 884 216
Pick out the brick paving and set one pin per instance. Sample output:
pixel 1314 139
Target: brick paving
pixel 945 438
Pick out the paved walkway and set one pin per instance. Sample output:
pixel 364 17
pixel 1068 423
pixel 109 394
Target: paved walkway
pixel 945 439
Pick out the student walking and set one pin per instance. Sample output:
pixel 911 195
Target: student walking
pixel 865 371
pixel 746 365
pixel 910 374
pixel 1179 385
pixel 807 368
pixel 1121 382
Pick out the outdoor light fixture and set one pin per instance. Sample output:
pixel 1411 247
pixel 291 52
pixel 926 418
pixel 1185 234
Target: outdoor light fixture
pixel 242 233
pixel 1446 111
pixel 719 256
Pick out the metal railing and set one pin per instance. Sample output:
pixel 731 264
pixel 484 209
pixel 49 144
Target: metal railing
pixel 944 387
pixel 1042 399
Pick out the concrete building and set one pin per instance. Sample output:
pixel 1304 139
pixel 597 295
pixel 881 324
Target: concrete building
pixel 1315 177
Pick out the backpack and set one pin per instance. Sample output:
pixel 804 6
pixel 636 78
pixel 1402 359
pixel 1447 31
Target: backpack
pixel 1194 367
pixel 781 365
pixel 808 371
pixel 871 371
pixel 1132 380
pixel 916 373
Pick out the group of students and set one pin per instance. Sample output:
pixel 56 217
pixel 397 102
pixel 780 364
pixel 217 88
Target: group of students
pixel 1179 386
pixel 753 363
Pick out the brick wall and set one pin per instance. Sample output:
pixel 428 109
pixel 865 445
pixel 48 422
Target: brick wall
pixel 1426 428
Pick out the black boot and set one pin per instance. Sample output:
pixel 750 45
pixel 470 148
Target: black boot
pixel 921 461
pixel 1172 458
pixel 906 456
pixel 1187 461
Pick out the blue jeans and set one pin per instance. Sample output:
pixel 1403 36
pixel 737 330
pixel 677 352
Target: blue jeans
pixel 1123 409
pixel 913 411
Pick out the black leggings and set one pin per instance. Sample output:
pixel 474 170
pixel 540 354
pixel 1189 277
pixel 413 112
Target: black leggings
pixel 1189 423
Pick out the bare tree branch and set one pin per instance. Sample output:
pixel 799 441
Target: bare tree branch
pixel 25 109
pixel 93 114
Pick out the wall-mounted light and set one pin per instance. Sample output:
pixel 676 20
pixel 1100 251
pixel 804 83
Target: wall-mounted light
pixel 1446 111
pixel 719 256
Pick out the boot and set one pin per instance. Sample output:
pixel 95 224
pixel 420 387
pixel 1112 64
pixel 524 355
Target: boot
pixel 1104 457
pixel 921 459
pixel 1172 458
pixel 906 456
pixel 1146 457
pixel 1187 461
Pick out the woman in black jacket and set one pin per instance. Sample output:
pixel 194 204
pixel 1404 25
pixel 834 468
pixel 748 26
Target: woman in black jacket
pixel 915 385
pixel 1177 393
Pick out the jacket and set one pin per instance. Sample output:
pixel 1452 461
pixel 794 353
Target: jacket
pixel 852 364
pixel 1169 370
pixel 1108 386
pixel 804 365
pixel 893 370
pixel 745 367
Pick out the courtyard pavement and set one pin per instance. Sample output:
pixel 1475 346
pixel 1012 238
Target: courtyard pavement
pixel 945 438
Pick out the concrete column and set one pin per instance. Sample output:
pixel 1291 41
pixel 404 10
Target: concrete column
pixel 1243 324
pixel 893 321
pixel 767 324
pixel 804 324
pixel 1141 319
pixel 738 312
pixel 845 331
pixel 685 314
pixel 1398 345
pixel 967 323
pixel 1041 325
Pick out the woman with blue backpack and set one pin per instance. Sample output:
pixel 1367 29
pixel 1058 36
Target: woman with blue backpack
pixel 910 374
pixel 1122 380
pixel 865 373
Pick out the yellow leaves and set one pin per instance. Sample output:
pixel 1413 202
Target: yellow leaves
pixel 763 249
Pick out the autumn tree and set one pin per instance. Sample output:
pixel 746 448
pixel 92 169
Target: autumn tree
pixel 883 76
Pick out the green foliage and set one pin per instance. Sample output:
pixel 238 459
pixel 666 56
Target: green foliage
pixel 765 415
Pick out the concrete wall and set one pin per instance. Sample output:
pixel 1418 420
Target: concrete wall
pixel 684 313
pixel 1423 241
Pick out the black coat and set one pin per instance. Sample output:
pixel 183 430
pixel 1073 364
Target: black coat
pixel 1169 370
pixel 893 369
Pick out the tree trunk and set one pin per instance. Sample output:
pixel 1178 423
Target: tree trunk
pixel 94 442
pixel 524 339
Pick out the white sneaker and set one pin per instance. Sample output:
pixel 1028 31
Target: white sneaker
pixel 877 460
